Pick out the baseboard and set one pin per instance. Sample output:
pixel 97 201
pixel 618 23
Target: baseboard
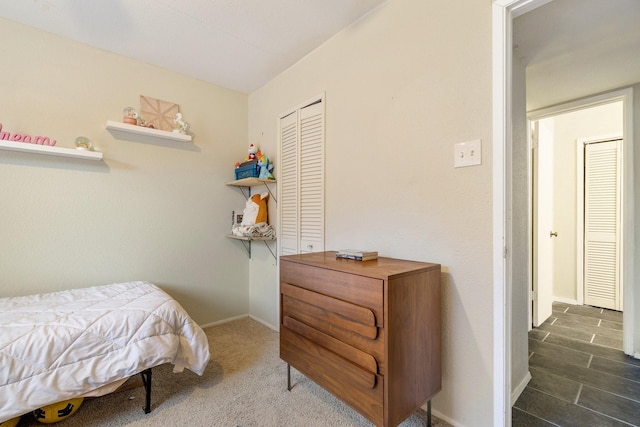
pixel 443 417
pixel 242 316
pixel 267 324
pixel 515 394
pixel 566 300
pixel 220 322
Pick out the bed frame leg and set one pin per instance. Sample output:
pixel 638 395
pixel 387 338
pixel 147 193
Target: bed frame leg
pixel 146 380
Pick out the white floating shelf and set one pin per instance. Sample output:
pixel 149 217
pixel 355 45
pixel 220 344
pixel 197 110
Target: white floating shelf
pixel 51 151
pixel 140 130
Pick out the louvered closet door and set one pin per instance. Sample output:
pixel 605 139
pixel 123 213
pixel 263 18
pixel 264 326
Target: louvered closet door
pixel 288 183
pixel 301 180
pixel 602 225
pixel 312 178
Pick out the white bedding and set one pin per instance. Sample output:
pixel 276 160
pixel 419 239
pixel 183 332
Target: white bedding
pixel 62 345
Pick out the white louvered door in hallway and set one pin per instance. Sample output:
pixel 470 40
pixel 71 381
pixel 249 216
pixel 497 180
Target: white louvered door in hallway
pixel 602 225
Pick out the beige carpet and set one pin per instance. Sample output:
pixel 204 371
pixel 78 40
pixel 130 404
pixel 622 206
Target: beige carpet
pixel 245 385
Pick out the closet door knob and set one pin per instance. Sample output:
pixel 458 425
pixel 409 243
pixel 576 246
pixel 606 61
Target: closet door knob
pixel 553 234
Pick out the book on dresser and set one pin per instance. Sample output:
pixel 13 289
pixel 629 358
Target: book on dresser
pixel 357 254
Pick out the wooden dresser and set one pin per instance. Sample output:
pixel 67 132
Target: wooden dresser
pixel 367 331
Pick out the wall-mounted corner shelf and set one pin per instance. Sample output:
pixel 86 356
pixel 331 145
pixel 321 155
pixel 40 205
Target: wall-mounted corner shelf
pixel 246 241
pixel 49 150
pixel 252 182
pixel 247 183
pixel 140 130
pixel 249 238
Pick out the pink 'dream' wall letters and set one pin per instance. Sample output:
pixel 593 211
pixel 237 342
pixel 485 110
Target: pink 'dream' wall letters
pixel 17 137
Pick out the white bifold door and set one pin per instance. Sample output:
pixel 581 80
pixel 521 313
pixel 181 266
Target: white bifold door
pixel 602 286
pixel 301 180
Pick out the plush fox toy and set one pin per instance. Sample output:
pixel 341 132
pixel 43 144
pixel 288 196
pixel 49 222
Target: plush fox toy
pixel 255 211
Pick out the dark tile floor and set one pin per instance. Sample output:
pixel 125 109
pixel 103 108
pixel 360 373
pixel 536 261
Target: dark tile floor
pixel 580 376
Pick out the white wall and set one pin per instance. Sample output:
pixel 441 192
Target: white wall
pixel 402 86
pixel 151 211
pixel 568 129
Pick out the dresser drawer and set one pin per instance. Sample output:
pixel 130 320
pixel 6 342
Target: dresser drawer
pixel 360 290
pixel 360 389
pixel 354 355
pixel 342 314
pixel 343 321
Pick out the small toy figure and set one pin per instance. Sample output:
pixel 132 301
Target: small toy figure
pixel 181 126
pixel 253 151
pixel 142 122
pixel 265 168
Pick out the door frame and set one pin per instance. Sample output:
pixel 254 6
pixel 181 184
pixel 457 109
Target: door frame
pixel 503 12
pixel 580 147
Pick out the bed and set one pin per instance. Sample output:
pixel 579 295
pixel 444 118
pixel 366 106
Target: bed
pixel 87 342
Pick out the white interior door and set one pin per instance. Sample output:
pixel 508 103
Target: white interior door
pixel 301 179
pixel 288 184
pixel 312 178
pixel 602 286
pixel 542 138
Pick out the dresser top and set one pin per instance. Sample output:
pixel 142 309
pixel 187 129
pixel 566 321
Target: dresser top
pixel 381 267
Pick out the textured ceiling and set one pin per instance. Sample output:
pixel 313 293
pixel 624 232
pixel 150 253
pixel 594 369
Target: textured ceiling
pixel 576 48
pixel 237 44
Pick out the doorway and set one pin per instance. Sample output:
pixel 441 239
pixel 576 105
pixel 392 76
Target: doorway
pixel 509 289
pixel 575 262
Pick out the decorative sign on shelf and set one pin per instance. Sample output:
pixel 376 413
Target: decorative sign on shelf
pixel 19 137
pixel 160 114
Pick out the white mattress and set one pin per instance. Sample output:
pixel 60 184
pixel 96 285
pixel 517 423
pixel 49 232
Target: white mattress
pixel 62 345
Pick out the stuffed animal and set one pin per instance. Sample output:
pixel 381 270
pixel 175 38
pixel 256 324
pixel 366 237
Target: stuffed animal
pixel 253 152
pixel 255 211
pixel 265 168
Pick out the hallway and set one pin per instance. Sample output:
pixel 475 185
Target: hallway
pixel 580 376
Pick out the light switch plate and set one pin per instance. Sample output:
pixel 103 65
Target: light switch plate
pixel 467 153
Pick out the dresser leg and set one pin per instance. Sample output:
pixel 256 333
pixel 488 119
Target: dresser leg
pixel 289 378
pixel 429 413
